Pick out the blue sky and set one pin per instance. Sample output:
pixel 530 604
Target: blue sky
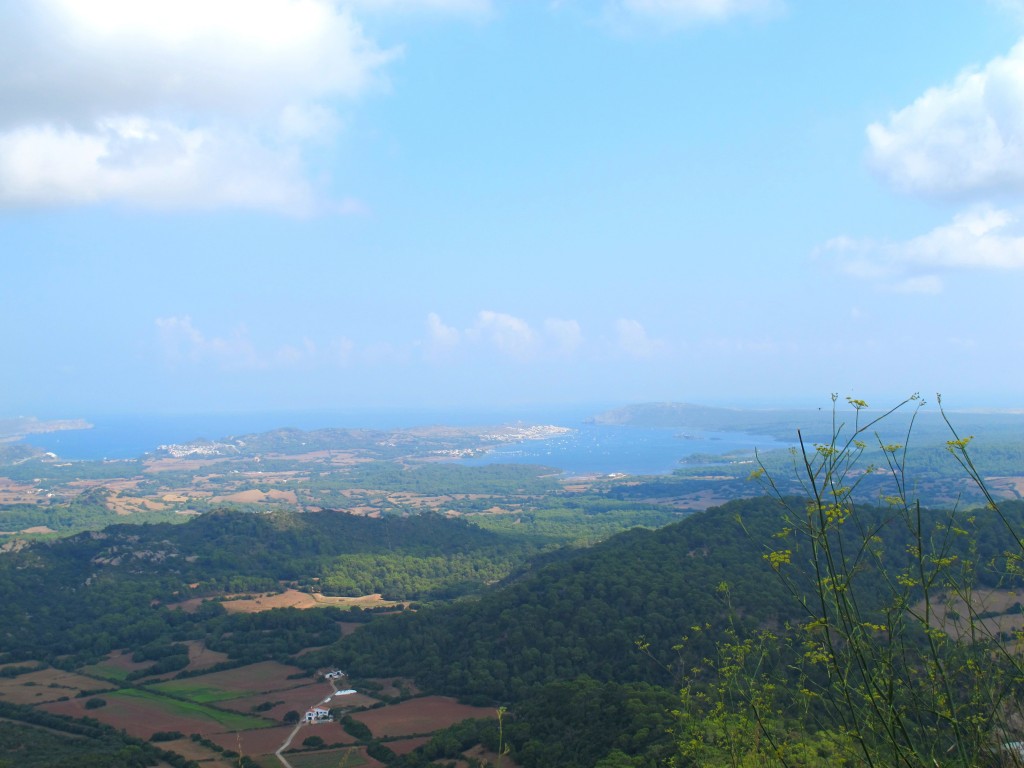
pixel 210 206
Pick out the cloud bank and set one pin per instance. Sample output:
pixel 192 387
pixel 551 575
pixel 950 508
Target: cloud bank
pixel 516 339
pixel 185 104
pixel 982 238
pixel 963 138
pixel 685 13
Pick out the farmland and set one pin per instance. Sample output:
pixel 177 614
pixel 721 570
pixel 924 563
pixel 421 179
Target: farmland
pixel 419 716
pixel 141 712
pixel 239 710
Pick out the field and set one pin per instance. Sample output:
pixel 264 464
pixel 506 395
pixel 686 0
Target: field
pixel 290 598
pixel 997 611
pixel 417 716
pixel 141 713
pixel 298 699
pixel 254 496
pixel 203 755
pixel 265 677
pixel 116 666
pixel 46 686
pixel 261 741
pixel 331 758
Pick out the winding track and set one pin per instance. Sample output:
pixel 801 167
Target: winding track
pixel 288 742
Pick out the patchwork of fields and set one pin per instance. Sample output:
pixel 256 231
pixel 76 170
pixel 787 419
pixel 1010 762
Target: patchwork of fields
pixel 243 710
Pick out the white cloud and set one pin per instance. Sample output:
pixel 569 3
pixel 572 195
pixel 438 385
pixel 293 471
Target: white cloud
pixel 340 350
pixel 964 137
pixel 930 284
pixel 183 343
pixel 190 103
pixel 687 12
pixel 633 339
pixel 506 334
pixel 153 164
pixel 511 335
pixel 566 334
pixel 982 237
pixel 441 338
pixel 293 355
pixel 472 7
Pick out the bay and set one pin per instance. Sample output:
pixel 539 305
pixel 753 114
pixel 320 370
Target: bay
pixel 586 449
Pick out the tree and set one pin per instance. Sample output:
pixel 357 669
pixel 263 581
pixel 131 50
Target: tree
pixel 291 717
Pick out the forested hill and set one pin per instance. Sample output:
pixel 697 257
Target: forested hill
pixel 589 614
pixel 585 614
pixel 96 591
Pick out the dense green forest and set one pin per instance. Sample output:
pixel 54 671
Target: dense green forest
pixel 100 587
pixel 584 646
pixel 585 613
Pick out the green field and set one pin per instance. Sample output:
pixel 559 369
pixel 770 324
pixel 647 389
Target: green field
pixel 330 758
pixel 231 721
pixel 197 692
pixel 106 672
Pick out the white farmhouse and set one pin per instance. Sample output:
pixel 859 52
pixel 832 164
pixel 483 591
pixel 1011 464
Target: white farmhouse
pixel 317 715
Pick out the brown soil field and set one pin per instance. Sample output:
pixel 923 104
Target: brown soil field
pixel 121 660
pixel 46 686
pixel 201 657
pixel 350 758
pixel 130 505
pixel 185 465
pixel 416 716
pixel 257 678
pixel 254 496
pixel 263 741
pixel 138 717
pixel 1010 487
pixel 983 601
pixel 200 754
pixel 290 598
pixel 12 492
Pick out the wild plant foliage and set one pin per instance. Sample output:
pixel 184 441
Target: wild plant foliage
pixel 898 658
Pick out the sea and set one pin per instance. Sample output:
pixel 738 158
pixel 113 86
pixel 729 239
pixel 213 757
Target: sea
pixel 588 449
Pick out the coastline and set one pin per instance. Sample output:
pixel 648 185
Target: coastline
pixel 18 428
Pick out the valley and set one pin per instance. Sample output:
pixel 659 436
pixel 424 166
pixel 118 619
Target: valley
pixel 184 607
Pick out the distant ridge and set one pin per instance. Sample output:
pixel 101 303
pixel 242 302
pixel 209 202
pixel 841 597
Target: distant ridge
pixel 779 423
pixel 814 423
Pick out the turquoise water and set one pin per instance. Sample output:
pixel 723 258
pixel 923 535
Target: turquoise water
pixel 587 449
pixel 631 450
